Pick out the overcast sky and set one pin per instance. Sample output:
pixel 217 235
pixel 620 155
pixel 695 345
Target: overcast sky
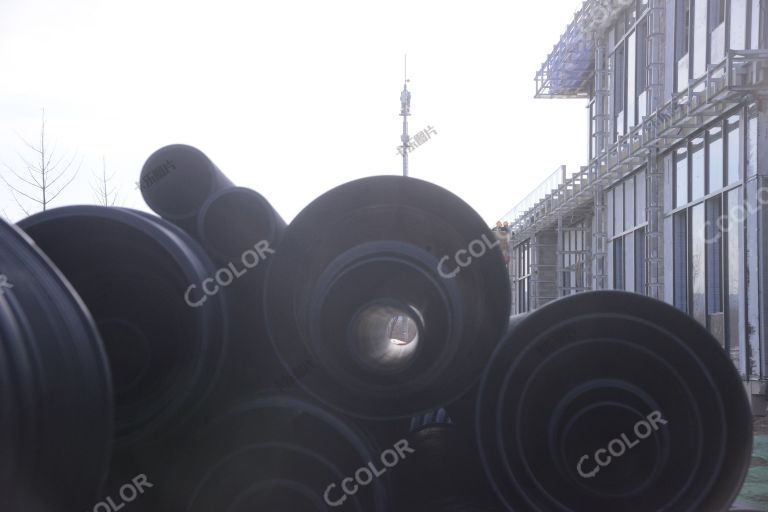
pixel 290 98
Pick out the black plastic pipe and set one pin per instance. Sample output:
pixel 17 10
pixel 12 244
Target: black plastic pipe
pixel 278 452
pixel 613 401
pixel 238 220
pixel 55 389
pixel 444 473
pixel 141 278
pixel 176 180
pixel 394 289
pixel 241 232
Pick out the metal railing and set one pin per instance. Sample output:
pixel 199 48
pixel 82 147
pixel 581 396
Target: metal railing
pixel 723 85
pixel 546 187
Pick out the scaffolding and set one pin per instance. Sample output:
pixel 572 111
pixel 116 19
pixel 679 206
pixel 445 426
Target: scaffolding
pixel 654 241
pixel 742 75
pixel 568 70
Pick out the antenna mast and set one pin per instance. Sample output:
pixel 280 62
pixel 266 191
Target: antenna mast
pixel 405 111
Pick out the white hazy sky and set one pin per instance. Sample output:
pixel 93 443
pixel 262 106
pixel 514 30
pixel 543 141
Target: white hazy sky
pixel 290 98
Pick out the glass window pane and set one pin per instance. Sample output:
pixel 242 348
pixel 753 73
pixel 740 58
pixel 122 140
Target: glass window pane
pixel 610 214
pixel 640 261
pixel 629 262
pixel 640 184
pixel 631 69
pixel 629 203
pixel 757 11
pixel 751 145
pixel 732 268
pixel 697 168
pixel 734 143
pixel 619 89
pixel 618 263
pixel 642 41
pixel 716 13
pixel 699 38
pixel 680 260
pixel 592 131
pixel 631 13
pixel 738 24
pixel 682 28
pixel 619 27
pixel 698 278
pixel 618 201
pixel 715 145
pixel 714 256
pixel 681 177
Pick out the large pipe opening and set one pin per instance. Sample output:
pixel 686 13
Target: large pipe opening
pixel 162 352
pixel 385 337
pixel 357 289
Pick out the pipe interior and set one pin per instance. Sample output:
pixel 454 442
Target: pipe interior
pixel 385 337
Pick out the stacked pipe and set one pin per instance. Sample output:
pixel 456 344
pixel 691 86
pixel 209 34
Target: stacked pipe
pixel 360 358
pixel 241 232
pixel 55 391
pixel 613 401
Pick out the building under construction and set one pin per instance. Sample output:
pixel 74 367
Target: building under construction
pixel 670 204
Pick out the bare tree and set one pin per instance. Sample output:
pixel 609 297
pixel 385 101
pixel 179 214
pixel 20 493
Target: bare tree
pixel 44 170
pixel 105 195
